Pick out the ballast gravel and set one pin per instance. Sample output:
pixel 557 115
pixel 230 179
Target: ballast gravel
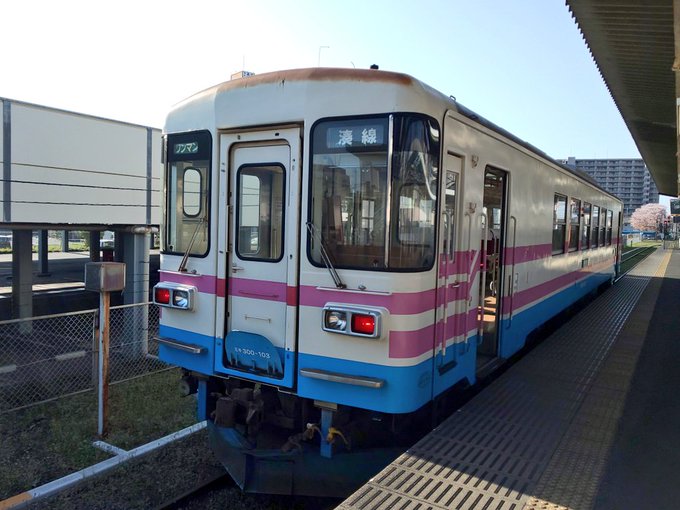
pixel 162 475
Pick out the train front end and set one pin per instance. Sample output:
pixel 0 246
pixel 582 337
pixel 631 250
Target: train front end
pixel 299 276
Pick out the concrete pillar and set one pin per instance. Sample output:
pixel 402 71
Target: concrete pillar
pixel 64 242
pixel 22 276
pixel 135 249
pixel 43 251
pixel 94 246
pixel 136 258
pixel 119 246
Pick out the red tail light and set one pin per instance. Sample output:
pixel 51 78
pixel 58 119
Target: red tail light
pixel 364 324
pixel 162 296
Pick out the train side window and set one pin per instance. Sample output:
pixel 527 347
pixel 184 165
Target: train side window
pixel 595 226
pixel 260 212
pixel 610 218
pixel 574 224
pixel 559 224
pixel 603 227
pixel 585 235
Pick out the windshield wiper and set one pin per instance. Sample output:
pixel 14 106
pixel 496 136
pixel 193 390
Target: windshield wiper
pixel 183 264
pixel 324 256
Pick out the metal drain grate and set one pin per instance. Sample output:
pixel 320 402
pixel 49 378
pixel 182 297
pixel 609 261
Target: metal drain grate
pixel 493 452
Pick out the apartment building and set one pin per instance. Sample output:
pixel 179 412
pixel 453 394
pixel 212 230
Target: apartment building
pixel 628 179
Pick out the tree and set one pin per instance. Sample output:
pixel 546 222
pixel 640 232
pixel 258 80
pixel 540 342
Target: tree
pixel 648 217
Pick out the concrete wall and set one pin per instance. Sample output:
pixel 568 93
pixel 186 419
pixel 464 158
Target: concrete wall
pixel 67 168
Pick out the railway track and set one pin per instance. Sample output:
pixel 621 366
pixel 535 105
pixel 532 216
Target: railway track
pixel 631 258
pixel 220 478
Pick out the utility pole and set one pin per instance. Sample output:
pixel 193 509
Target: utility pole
pixel 318 63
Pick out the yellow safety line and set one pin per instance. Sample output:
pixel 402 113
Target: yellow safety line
pixel 660 273
pixel 15 500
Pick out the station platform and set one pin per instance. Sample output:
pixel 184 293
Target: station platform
pixel 589 419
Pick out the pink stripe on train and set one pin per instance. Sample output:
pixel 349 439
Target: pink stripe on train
pixel 402 303
pixel 258 289
pixel 542 290
pixel 204 283
pixel 411 344
pixel 239 287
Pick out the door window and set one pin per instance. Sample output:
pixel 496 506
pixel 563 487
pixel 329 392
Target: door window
pixel 450 213
pixel 260 213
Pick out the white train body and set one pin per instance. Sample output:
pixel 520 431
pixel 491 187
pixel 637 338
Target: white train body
pixel 448 240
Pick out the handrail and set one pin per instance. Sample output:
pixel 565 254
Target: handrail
pixel 512 270
pixel 447 261
pixel 482 288
pixel 468 298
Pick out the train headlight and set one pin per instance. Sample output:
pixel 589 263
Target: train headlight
pixel 335 320
pixel 174 295
pixel 348 320
pixel 180 299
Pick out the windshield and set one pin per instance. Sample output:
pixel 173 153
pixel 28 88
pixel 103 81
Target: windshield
pixel 374 205
pixel 187 179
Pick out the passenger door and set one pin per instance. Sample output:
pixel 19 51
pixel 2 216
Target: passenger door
pixel 260 262
pixel 450 308
pixel 489 313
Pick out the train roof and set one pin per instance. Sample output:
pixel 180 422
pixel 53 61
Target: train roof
pixel 463 110
pixel 321 74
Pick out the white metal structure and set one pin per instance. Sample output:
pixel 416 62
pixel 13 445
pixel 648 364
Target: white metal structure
pixel 64 168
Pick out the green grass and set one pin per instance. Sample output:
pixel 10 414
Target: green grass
pixel 54 248
pixel 630 263
pixel 48 441
pixel 642 244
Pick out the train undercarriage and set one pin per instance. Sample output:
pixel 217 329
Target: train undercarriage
pixel 278 443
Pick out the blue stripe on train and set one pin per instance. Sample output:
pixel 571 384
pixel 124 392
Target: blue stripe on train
pixel 513 333
pixel 202 362
pixel 211 360
pixel 405 389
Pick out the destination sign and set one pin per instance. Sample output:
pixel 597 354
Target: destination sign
pixel 364 135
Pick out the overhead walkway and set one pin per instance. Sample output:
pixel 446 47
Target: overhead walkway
pixel 590 418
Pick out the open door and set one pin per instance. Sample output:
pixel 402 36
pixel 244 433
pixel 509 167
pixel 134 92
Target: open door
pixel 493 220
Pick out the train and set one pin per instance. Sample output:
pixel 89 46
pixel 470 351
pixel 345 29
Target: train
pixel 343 252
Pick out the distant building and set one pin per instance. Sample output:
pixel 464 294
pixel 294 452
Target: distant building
pixel 628 179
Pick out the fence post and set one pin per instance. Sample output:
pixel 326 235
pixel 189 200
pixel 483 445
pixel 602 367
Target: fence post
pixel 104 277
pixel 95 349
pixel 103 386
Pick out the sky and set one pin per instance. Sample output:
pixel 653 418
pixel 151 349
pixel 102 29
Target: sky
pixel 521 64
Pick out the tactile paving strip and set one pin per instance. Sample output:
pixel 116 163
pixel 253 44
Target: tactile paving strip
pixel 572 478
pixel 496 451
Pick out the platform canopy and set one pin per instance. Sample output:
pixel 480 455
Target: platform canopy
pixel 634 44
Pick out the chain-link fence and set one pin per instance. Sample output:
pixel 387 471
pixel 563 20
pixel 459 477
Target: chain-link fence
pixel 44 358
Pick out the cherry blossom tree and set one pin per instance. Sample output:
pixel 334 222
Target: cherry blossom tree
pixel 648 216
